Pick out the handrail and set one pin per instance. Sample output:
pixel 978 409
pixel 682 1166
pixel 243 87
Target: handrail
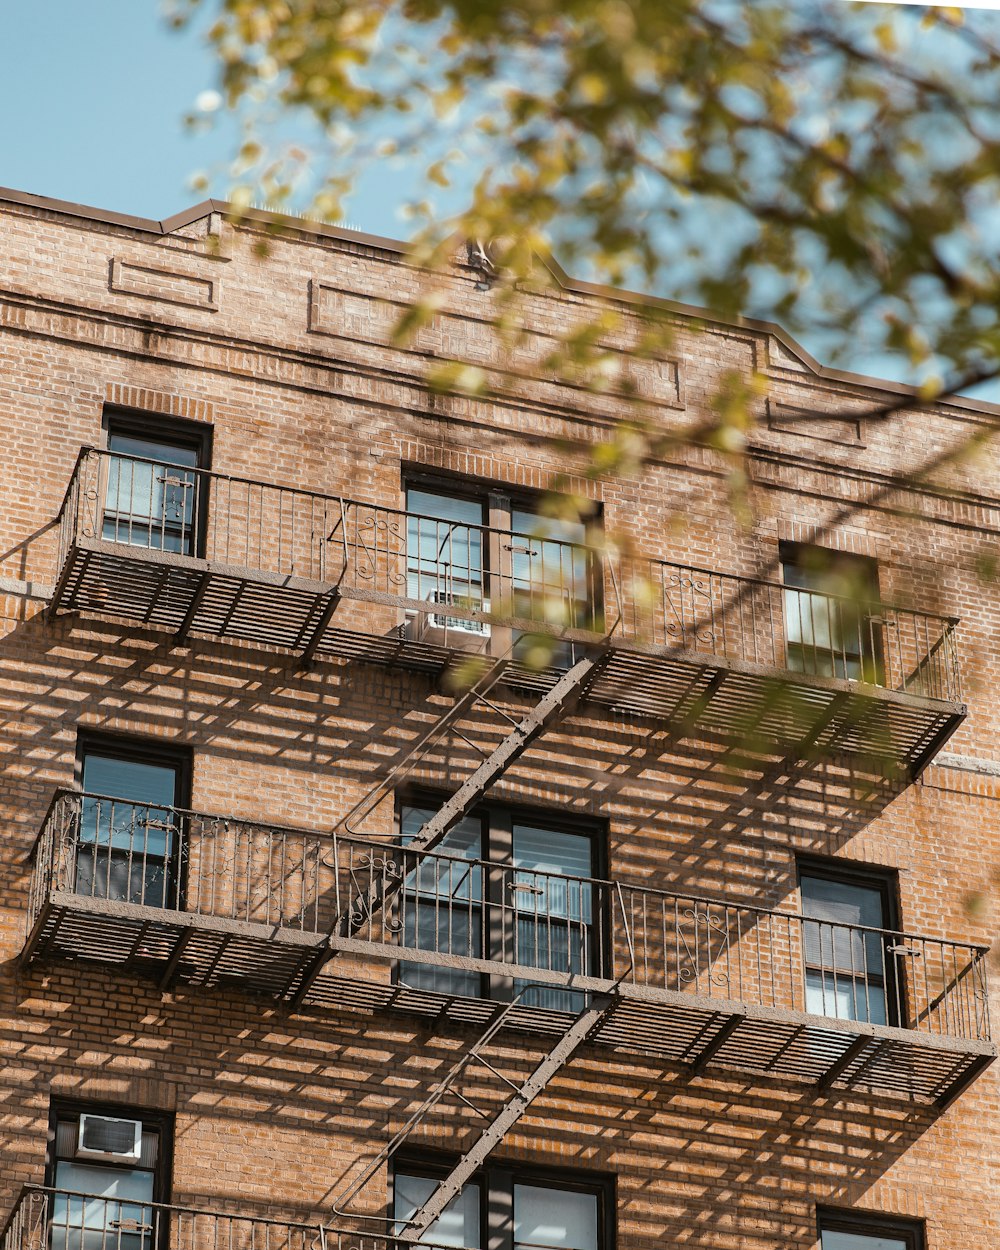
pixel 469 914
pixel 28 1229
pixel 609 884
pixel 596 551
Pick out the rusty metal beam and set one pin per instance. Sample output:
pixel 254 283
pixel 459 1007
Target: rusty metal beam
pixel 839 1066
pixel 175 958
pixel 681 723
pixel 708 1052
pixel 958 1085
pixel 316 636
pixel 558 701
pixel 183 629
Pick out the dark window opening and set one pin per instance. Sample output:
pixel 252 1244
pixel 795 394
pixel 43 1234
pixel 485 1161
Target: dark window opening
pixel 849 1230
pixel 511 1208
pixel 108 1165
pixel 154 497
pixel 849 942
pixel 832 617
pixel 481 549
pixel 512 888
pixel 129 846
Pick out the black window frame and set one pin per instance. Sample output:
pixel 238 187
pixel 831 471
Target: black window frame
pixel 496 1180
pixel 179 431
pixel 506 498
pixel 164 1122
pixel 793 554
pixel 128 747
pixel 913 1232
pixel 886 880
pixel 497 821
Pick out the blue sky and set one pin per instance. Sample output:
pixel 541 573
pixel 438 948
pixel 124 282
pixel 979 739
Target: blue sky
pixel 93 96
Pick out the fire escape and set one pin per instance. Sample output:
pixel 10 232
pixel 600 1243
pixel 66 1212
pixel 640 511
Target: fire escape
pixel 692 981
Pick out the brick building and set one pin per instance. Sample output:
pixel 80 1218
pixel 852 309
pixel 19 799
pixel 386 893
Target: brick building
pixel 687 952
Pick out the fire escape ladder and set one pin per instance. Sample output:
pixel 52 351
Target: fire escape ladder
pixel 476 693
pixel 558 701
pixel 587 1019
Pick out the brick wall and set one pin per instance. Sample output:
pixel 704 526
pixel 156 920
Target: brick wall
pixel 286 359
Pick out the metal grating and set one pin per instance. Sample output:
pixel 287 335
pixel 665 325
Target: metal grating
pixel 702 694
pixel 672 1027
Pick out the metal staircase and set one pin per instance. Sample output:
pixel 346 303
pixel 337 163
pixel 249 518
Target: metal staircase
pixel 590 1017
pixel 557 702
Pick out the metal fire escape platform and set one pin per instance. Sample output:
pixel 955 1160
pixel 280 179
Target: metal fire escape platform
pixel 672 1026
pixel 691 688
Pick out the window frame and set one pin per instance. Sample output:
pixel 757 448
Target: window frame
pixel 790 553
pixel 913 1232
pixel 197 435
pixel 163 1121
pixel 886 880
pixel 496 1181
pixel 129 748
pixel 499 501
pixel 497 821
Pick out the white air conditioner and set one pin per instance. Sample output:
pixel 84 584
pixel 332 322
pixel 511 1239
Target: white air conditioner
pixel 103 1137
pixel 439 620
pixel 443 630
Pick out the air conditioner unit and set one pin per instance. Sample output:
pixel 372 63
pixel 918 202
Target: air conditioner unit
pixel 103 1137
pixel 443 630
pixel 440 620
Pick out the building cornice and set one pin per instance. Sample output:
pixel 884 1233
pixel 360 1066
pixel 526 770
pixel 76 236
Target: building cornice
pixel 321 231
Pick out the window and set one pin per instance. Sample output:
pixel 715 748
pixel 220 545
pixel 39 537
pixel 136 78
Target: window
pixel 129 840
pixel 153 497
pixel 504 887
pixel 116 1156
pixel 850 965
pixel 487 551
pixel 832 623
pixel 846 1230
pixel 522 1209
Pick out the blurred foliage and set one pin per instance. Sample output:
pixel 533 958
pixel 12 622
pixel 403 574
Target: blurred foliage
pixel 829 165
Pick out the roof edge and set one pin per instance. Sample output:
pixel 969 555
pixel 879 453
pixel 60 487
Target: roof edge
pixel 303 226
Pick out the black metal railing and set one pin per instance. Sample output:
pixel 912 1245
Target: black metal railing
pixel 45 1218
pixel 452 918
pixel 458 580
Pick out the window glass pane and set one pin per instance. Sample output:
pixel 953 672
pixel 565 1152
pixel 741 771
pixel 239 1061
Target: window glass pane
pixel 113 1219
pixel 843 903
pixel 129 779
pixel 104 1182
pixel 553 913
pixel 444 548
pixel 552 575
pixel 458 1224
pixel 440 904
pixel 558 1218
pixel 551 559
pixel 830 631
pixel 153 449
pixel 150 504
pixel 127 849
pixel 861 1241
pixel 542 857
pixel 443 877
pixel 844 997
